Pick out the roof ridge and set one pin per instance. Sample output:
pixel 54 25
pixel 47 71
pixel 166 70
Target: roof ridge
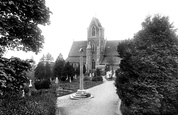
pixel 81 41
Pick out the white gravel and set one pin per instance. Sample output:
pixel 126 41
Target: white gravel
pixel 105 102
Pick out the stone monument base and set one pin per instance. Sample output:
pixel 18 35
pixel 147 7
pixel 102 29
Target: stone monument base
pixel 81 94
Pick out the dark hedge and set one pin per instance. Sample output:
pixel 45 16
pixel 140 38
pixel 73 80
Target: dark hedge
pixel 147 80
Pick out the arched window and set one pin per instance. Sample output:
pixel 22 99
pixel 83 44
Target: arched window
pixel 93 31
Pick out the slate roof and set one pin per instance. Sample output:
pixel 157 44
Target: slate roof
pixel 111 48
pixel 74 51
pixel 75 59
pixel 97 21
pixel 116 60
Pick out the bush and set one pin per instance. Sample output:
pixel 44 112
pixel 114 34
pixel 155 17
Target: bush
pixel 44 104
pixel 97 78
pixel 43 84
pixel 86 78
pixel 147 80
pixel 98 72
pixel 63 78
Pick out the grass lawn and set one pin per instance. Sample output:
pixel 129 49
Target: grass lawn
pixel 67 88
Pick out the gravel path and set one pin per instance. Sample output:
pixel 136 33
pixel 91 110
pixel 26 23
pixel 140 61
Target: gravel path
pixel 105 102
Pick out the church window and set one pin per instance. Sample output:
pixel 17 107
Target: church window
pixel 93 48
pixel 93 31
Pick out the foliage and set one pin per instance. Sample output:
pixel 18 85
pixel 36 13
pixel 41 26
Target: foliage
pixel 43 84
pixel 40 71
pixel 49 57
pixel 44 68
pixel 97 76
pixel 98 72
pixel 13 74
pixel 147 80
pixel 111 60
pixel 19 20
pixel 58 66
pixel 44 104
pixel 68 70
pixel 48 69
pixel 107 68
pixel 77 70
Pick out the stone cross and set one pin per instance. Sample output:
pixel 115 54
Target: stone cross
pixel 81 93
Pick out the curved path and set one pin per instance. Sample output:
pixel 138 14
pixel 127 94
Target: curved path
pixel 105 102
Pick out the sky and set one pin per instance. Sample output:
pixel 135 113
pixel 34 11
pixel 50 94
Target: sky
pixel 120 18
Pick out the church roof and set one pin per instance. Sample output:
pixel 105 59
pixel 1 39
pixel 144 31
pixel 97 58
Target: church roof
pixel 75 59
pixel 74 51
pixel 74 54
pixel 116 60
pixel 96 21
pixel 111 48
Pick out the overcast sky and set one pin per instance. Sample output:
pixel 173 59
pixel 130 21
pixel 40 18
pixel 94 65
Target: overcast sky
pixel 120 18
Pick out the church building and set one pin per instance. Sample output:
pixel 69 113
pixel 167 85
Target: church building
pixel 97 51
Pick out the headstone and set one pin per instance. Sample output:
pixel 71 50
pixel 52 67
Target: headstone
pixel 23 93
pixel 57 80
pixel 30 85
pixel 90 75
pixel 70 79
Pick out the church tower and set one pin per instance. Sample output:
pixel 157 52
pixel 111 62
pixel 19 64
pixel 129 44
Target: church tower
pixel 95 44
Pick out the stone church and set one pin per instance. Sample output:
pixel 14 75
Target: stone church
pixel 96 49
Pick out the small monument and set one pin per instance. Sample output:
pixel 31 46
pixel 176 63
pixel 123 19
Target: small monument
pixel 30 88
pixel 57 80
pixel 81 93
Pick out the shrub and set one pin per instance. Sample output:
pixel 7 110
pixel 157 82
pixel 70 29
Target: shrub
pixel 147 80
pixel 86 78
pixel 43 84
pixel 44 104
pixel 98 72
pixel 13 74
pixel 97 78
pixel 63 78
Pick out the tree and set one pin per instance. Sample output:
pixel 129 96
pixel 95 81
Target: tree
pixel 19 20
pixel 111 61
pixel 12 74
pixel 58 66
pixel 68 70
pixel 44 68
pixel 40 72
pixel 147 80
pixel 43 59
pixel 49 57
pixel 48 70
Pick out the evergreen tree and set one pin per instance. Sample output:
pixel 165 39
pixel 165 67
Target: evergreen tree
pixel 40 72
pixel 44 68
pixel 68 70
pixel 48 71
pixel 58 66
pixel 147 80
pixel 49 57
